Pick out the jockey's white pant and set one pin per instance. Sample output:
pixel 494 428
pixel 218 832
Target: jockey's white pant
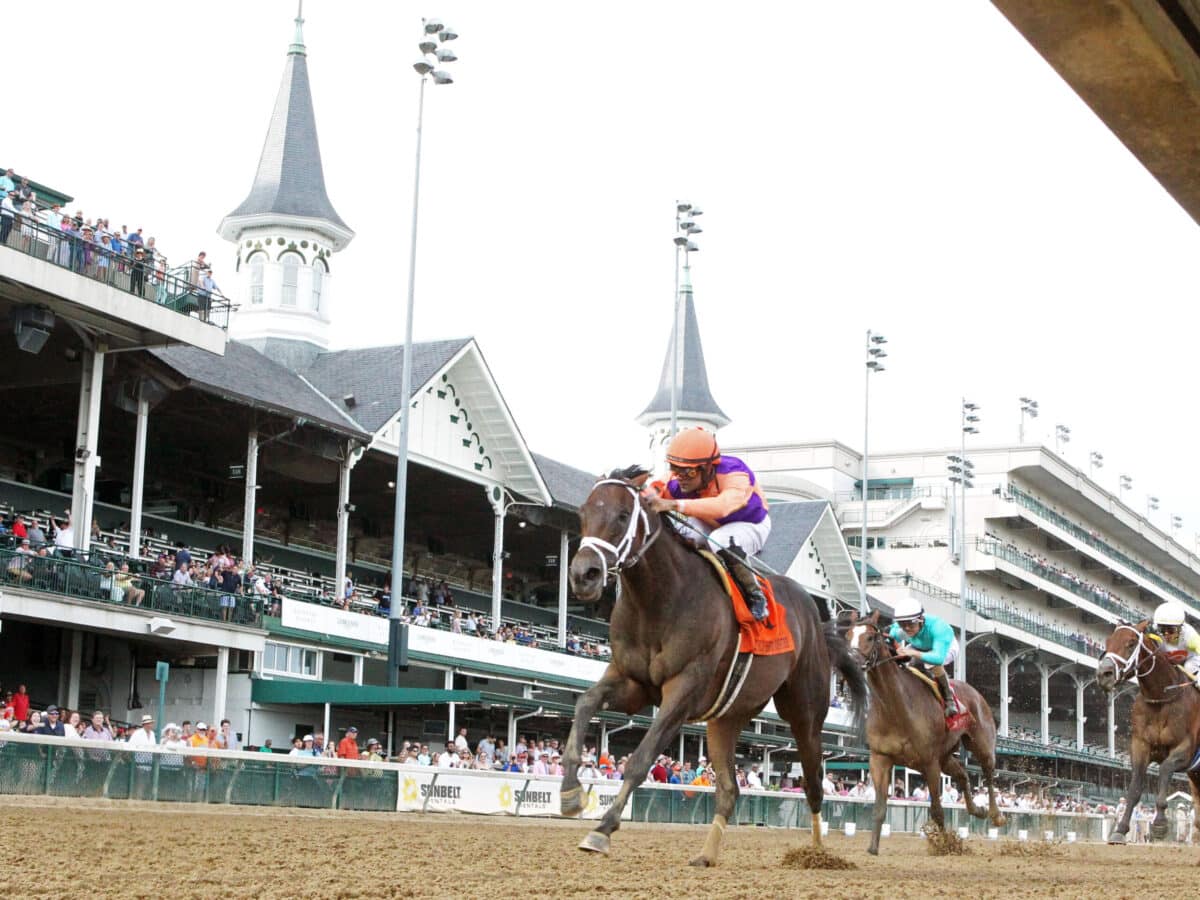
pixel 1191 665
pixel 749 536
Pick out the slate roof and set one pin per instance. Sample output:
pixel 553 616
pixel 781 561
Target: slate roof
pixel 372 375
pixel 695 398
pixel 791 525
pixel 290 180
pixel 569 487
pixel 247 376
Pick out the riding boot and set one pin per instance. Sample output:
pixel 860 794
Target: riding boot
pixel 943 683
pixel 735 558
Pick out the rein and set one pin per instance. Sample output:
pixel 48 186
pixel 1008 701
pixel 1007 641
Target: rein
pixel 622 552
pixel 1131 667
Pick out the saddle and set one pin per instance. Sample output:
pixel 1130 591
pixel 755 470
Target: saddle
pixel 757 637
pixel 960 719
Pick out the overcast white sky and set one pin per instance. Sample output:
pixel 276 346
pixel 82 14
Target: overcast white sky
pixel 913 168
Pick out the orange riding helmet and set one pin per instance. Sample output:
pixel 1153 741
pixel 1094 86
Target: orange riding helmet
pixel 693 447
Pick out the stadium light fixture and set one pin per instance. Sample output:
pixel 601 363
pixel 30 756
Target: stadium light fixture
pixel 875 353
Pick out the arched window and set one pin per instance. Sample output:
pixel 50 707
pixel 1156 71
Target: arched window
pixel 318 282
pixel 256 278
pixel 291 278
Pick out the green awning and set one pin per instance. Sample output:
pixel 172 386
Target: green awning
pixel 289 691
pixel 872 572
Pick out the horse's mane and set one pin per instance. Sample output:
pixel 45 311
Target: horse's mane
pixel 629 473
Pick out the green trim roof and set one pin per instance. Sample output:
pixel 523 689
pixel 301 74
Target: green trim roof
pixel 287 691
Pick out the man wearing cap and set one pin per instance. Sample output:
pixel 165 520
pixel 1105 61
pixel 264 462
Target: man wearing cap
pixel 373 754
pixel 52 725
pixel 144 736
pixel 659 771
pixel 348 746
pixel 137 272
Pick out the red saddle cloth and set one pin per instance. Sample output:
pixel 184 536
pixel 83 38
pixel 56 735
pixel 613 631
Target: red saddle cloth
pixel 769 637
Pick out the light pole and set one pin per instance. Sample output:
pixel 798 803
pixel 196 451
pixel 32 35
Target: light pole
pixel 1176 524
pixel 685 227
pixel 1151 504
pixel 970 420
pixel 433 51
pixel 1095 461
pixel 1124 483
pixel 1028 408
pixel 875 353
pixel 1062 435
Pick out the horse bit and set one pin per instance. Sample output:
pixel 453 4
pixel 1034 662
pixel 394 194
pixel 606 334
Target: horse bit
pixel 1127 666
pixel 621 550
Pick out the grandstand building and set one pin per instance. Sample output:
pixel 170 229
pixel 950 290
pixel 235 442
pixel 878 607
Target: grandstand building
pixel 254 434
pixel 1053 561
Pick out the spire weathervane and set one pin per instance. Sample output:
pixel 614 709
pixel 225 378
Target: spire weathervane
pixel 298 38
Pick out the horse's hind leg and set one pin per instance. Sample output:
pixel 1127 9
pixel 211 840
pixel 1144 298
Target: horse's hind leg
pixel 980 741
pixel 722 745
pixel 954 768
pixel 1177 759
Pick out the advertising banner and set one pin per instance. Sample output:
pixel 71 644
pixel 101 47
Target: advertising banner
pixel 442 790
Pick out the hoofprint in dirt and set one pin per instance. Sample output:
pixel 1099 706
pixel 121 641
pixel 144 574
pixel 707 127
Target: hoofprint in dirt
pixel 61 849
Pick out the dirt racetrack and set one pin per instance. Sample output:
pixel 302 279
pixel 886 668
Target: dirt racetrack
pixel 180 851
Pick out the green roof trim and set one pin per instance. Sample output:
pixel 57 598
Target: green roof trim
pixel 337 693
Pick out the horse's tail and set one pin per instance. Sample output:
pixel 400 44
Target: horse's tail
pixel 852 675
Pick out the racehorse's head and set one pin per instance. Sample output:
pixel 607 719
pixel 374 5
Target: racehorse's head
pixel 1124 652
pixel 866 639
pixel 611 520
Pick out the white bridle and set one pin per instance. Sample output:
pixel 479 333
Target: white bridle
pixel 1127 666
pixel 620 550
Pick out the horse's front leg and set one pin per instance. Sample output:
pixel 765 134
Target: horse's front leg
pixel 612 691
pixel 1179 757
pixel 1139 757
pixel 881 777
pixel 678 696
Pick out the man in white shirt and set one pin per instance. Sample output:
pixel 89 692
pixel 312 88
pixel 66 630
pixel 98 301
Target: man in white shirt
pixel 753 778
pixel 448 758
pixel 144 736
pixel 64 536
pixel 460 742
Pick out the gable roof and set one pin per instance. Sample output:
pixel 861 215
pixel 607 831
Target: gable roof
pixel 569 487
pixel 289 180
pixel 791 525
pixel 372 375
pixel 247 376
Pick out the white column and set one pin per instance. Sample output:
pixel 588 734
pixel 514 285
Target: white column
pixel 73 672
pixel 1005 699
pixel 562 589
pixel 358 669
pixel 448 684
pixel 343 521
pixel 1079 717
pixel 391 730
pixel 497 560
pixel 87 434
pixel 222 686
pixel 139 475
pixel 1112 725
pixel 512 730
pixel 328 736
pixel 251 499
pixel 1045 670
pixel 603 738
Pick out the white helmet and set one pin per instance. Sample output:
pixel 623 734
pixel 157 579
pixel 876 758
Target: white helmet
pixel 1170 613
pixel 908 609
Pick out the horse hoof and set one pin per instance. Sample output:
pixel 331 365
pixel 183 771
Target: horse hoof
pixel 874 851
pixel 1000 820
pixel 700 862
pixel 1116 838
pixel 571 802
pixel 595 842
pixel 1158 831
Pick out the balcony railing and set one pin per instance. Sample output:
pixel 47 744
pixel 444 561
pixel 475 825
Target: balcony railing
pixel 179 290
pixel 86 581
pixel 1062 522
pixel 1093 594
pixel 1018 618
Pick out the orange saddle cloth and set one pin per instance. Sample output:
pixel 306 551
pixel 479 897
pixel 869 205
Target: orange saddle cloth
pixel 769 637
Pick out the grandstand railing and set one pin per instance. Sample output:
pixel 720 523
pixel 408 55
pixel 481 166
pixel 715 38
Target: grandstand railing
pixel 82 580
pixel 1049 573
pixel 181 293
pixel 67 767
pixel 1081 534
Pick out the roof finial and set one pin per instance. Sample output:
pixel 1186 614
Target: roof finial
pixel 298 39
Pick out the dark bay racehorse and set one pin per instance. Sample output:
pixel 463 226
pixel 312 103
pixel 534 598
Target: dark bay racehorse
pixel 1165 726
pixel 907 727
pixel 674 635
